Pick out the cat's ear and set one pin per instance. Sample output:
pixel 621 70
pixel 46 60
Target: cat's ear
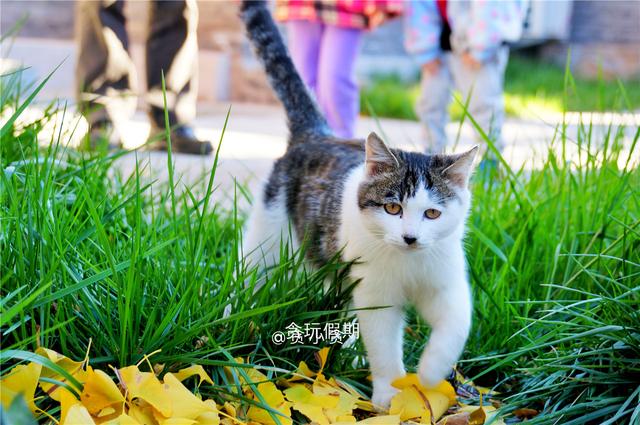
pixel 379 158
pixel 459 171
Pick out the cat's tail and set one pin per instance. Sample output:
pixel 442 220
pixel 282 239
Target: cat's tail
pixel 304 117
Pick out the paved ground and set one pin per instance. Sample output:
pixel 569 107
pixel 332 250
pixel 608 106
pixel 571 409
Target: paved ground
pixel 256 135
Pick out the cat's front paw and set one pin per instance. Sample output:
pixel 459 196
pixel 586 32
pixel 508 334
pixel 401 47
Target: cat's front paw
pixel 382 395
pixel 429 376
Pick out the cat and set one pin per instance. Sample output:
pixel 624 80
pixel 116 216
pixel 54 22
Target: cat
pixel 400 214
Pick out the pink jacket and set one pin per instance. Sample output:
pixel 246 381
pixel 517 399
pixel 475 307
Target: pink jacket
pixel 362 14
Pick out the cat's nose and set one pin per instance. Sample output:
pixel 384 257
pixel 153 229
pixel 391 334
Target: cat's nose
pixel 410 240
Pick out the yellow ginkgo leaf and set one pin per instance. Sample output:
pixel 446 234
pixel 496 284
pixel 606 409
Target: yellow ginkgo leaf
pixel 66 399
pixel 78 414
pixel 310 404
pixel 72 367
pixel 21 380
pixel 185 404
pixel 188 372
pixel 123 420
pixel 345 419
pixel 411 379
pixel 210 417
pixel 301 372
pixel 275 399
pixel 480 415
pixel 477 417
pixel 409 403
pixel 366 405
pixel 321 357
pixel 346 401
pixel 301 394
pixel 348 388
pixel 146 386
pixel 142 412
pixel 100 392
pixel 178 421
pixel 440 397
pixel 381 420
pixel 230 409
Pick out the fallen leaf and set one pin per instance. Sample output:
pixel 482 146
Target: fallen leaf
pixel 22 379
pixel 381 420
pixel 211 416
pixel 146 386
pixel 66 399
pixel 72 367
pixel 274 399
pixel 480 415
pixel 477 417
pixel 347 402
pixel 456 419
pixel 178 421
pixel 100 392
pixel 310 404
pixel 409 403
pixel 142 412
pixel 185 404
pixel 123 420
pixel 525 413
pixel 78 414
pixel 301 372
pixel 188 372
pixel 321 357
pixel 415 401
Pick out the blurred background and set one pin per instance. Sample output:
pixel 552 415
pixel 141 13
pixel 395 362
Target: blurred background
pixel 600 37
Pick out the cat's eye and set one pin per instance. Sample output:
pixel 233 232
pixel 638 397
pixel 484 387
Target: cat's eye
pixel 432 214
pixel 393 209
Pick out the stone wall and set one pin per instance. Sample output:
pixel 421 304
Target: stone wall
pixel 604 39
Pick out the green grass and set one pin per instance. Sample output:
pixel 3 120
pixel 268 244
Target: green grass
pixel 531 88
pixel 129 266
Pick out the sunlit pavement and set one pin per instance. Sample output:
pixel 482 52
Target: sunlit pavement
pixel 256 135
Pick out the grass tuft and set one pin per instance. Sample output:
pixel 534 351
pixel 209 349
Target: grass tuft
pixel 130 266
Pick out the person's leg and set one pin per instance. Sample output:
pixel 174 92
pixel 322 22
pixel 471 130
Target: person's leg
pixel 337 86
pixel 105 74
pixel 484 88
pixel 303 39
pixel 172 50
pixel 431 108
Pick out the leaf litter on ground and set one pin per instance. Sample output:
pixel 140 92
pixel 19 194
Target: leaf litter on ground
pixel 132 396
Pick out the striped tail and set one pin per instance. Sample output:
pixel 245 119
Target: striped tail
pixel 304 117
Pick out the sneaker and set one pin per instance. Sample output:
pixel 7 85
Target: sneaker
pixel 183 140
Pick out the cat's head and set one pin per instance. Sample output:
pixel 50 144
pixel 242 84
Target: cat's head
pixel 411 200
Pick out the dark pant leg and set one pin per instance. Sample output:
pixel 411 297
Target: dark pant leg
pixel 105 73
pixel 172 48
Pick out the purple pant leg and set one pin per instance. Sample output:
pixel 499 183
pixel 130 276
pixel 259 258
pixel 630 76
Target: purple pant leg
pixel 337 88
pixel 304 39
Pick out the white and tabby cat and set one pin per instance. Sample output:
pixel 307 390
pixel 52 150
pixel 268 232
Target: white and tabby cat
pixel 401 214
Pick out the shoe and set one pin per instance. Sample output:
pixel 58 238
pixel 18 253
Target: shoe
pixel 183 140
